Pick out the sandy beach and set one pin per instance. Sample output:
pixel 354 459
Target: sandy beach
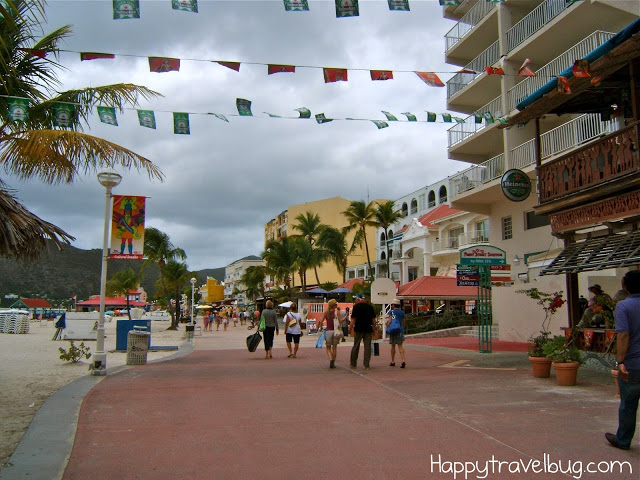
pixel 31 371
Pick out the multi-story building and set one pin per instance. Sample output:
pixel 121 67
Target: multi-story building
pixel 233 286
pixel 212 291
pixel 491 43
pixel 276 228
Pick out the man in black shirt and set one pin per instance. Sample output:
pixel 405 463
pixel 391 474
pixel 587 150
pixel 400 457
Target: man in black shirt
pixel 363 319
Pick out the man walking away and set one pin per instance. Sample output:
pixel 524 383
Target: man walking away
pixel 363 319
pixel 627 316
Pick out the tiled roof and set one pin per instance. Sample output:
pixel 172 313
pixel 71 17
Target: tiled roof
pixel 111 301
pixel 441 211
pixel 351 283
pixel 436 288
pixel 36 303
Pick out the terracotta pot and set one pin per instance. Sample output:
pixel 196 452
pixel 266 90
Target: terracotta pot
pixel 614 374
pixel 566 373
pixel 541 366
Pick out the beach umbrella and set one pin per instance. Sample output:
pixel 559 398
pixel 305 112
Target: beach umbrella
pixel 341 290
pixel 202 307
pixel 286 304
pixel 317 290
pixel 109 312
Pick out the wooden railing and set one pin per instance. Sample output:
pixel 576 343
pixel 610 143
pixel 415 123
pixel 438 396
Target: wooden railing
pixel 598 162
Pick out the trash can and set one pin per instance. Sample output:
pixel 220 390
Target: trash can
pixel 123 327
pixel 137 346
pixel 190 329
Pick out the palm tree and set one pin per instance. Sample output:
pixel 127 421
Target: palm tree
pixel 305 258
pixel 360 215
pixel 122 283
pixel 310 226
pixel 37 147
pixel 158 249
pixel 333 243
pixel 281 261
pixel 253 280
pixel 177 277
pixel 386 215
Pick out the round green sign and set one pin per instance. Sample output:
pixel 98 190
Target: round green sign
pixel 516 185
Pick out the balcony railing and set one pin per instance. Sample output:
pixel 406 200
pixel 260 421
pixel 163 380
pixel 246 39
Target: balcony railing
pixel 460 80
pixel 525 88
pixel 459 241
pixel 613 156
pixel 477 175
pixel 562 138
pixel 534 21
pixel 460 131
pixel 467 22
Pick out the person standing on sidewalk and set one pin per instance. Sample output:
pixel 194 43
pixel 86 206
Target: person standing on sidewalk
pixel 627 315
pixel 397 338
pixel 270 326
pixel 363 319
pixel 292 329
pixel 331 315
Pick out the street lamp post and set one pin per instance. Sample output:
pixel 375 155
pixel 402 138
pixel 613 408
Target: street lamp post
pixel 193 287
pixel 108 180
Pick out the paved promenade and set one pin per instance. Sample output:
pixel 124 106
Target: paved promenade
pixel 221 412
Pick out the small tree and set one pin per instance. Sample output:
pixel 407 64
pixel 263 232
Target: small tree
pixel 550 303
pixel 122 283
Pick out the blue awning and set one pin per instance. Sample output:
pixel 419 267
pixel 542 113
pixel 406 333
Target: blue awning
pixel 619 38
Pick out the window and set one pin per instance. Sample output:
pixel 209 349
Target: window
pixel 531 220
pixel 390 234
pixel 414 206
pixel 383 256
pixel 360 273
pixel 432 199
pixel 382 239
pixel 405 209
pixel 443 194
pixel 507 228
pixel 482 231
pixel 413 273
pixel 454 237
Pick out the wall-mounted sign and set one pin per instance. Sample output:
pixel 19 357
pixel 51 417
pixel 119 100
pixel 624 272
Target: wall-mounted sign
pixel 483 255
pixel 516 185
pixel 382 291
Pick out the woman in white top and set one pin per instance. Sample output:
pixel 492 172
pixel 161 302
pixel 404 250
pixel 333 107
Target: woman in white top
pixel 292 329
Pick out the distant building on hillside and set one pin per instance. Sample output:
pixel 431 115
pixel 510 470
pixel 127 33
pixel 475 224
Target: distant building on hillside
pixel 233 286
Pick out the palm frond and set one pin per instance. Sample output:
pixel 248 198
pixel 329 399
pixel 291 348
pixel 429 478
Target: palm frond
pixel 56 156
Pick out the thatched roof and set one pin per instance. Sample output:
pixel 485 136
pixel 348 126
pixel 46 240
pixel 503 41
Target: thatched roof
pixel 23 235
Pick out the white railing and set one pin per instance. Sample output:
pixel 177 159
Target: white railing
pixel 454 243
pixel 467 22
pixel 477 175
pixel 525 88
pixel 563 138
pixel 460 80
pixel 461 131
pixel 534 21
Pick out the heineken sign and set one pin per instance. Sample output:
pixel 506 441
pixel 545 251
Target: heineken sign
pixel 516 185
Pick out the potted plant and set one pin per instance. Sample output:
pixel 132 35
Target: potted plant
pixel 565 358
pixel 550 303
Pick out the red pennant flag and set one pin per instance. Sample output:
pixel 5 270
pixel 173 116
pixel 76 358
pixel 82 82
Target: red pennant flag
pixel 232 65
pixel 162 64
pixel 430 79
pixel 596 81
pixel 563 85
pixel 494 71
pixel 281 68
pixel 335 75
pixel 525 71
pixel 581 69
pixel 94 55
pixel 466 70
pixel 34 52
pixel 381 75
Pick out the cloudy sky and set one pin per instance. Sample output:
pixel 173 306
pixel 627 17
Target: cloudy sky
pixel 224 181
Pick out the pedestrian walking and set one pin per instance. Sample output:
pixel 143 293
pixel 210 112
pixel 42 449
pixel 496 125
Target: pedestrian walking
pixel 363 319
pixel 627 316
pixel 235 318
pixel 331 315
pixel 270 327
pixel 396 315
pixel 293 329
pixel 205 320
pixel 345 316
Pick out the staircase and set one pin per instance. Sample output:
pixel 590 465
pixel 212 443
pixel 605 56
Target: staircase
pixel 473 332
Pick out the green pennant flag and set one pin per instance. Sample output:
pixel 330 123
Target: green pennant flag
pixel 400 5
pixel 459 120
pixel 220 116
pixel 431 116
pixel 244 107
pixel 478 117
pixel 410 116
pixel 124 9
pixel 181 123
pixel 108 115
pixel 391 118
pixel 304 112
pixel 185 5
pixel 488 117
pixel 272 115
pixel 296 5
pixel 449 2
pixel 18 109
pixel 495 1
pixel 446 117
pixel 380 124
pixel 502 120
pixel 320 118
pixel 347 8
pixel 63 114
pixel 147 118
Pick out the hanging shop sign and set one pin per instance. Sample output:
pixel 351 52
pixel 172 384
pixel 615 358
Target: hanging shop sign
pixel 516 185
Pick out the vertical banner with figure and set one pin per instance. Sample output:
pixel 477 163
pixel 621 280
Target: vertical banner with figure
pixel 127 227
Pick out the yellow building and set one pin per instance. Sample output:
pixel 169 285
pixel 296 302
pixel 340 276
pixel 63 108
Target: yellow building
pixel 330 212
pixel 212 291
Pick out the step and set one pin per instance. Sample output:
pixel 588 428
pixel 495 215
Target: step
pixel 473 332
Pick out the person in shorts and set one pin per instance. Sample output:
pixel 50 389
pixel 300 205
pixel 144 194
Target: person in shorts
pixel 293 329
pixel 398 338
pixel 330 316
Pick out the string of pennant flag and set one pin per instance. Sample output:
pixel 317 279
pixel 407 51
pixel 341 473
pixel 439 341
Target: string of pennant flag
pixel 64 113
pixel 130 9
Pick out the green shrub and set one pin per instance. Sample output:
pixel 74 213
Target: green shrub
pixel 74 354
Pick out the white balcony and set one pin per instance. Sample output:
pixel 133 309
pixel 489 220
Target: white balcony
pixel 468 23
pixel 460 80
pixel 461 131
pixel 534 21
pixel 453 244
pixel 477 175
